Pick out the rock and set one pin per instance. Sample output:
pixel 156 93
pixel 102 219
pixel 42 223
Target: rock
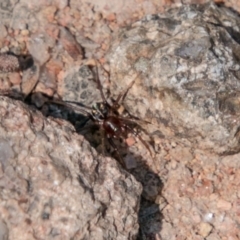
pixel 186 67
pixel 9 63
pixel 62 4
pixel 3 32
pixel 70 45
pixel 30 79
pixel 6 11
pixel 204 229
pixel 224 205
pixel 185 64
pixel 79 86
pixel 213 237
pixel 38 47
pixel 20 16
pixel 3 230
pixel 55 185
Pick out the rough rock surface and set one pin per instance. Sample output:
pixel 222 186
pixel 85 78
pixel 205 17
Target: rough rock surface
pixel 188 87
pixel 55 186
pixel 185 63
pixel 190 73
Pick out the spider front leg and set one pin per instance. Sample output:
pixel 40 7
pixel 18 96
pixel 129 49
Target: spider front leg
pixel 116 103
pixel 123 94
pixel 99 85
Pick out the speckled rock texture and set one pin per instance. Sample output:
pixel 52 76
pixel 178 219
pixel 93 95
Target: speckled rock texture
pixel 185 63
pixel 55 186
pixel 190 73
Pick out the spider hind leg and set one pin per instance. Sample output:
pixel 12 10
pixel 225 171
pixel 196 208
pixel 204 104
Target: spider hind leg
pixel 138 136
pixel 115 148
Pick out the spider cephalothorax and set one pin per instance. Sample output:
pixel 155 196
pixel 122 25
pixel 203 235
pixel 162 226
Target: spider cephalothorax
pixel 100 111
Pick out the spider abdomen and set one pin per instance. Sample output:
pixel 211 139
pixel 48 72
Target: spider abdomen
pixel 113 126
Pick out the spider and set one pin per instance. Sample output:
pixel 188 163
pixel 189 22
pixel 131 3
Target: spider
pixel 106 116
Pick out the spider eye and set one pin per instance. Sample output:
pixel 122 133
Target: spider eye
pixel 101 106
pixel 94 107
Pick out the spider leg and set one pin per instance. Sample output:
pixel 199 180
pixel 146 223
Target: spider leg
pixel 134 120
pixel 73 107
pixel 124 93
pixel 116 150
pixel 103 136
pixel 99 85
pixel 135 133
pixel 78 104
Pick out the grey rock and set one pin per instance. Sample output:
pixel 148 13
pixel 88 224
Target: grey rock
pixel 6 9
pixel 20 17
pixel 186 64
pixel 39 47
pixel 86 42
pixel 55 186
pixel 3 230
pixel 6 152
pixel 80 86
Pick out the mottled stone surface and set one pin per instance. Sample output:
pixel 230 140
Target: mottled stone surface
pixel 188 87
pixel 55 186
pixel 186 68
pixel 188 58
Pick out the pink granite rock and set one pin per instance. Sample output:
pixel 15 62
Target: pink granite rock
pixel 54 185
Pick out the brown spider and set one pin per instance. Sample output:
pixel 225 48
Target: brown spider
pixel 105 115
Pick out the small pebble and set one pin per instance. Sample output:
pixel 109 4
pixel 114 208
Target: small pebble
pixel 224 205
pixel 204 229
pixel 25 32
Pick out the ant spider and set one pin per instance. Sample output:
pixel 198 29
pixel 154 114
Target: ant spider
pixel 107 118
